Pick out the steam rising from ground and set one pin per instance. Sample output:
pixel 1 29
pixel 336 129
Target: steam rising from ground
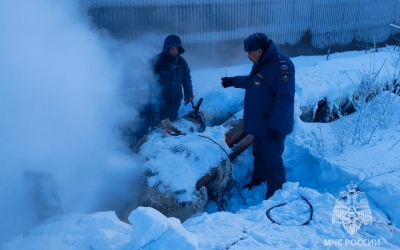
pixel 60 86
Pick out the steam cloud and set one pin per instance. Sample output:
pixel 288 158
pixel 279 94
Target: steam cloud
pixel 60 104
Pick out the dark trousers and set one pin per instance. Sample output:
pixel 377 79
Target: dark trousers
pixel 169 110
pixel 268 163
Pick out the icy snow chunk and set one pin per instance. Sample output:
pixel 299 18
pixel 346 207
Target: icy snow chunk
pixel 152 230
pixel 147 225
pixel 175 237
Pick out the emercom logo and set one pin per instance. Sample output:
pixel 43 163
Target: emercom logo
pixel 351 242
pixel 349 212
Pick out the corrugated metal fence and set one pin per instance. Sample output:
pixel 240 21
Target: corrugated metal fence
pixel 330 22
pixel 212 29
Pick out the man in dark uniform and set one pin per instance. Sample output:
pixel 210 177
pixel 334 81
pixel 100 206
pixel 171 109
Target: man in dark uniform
pixel 173 74
pixel 268 108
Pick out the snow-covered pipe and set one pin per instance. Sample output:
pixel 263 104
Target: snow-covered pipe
pixel 176 163
pixel 215 183
pixel 237 140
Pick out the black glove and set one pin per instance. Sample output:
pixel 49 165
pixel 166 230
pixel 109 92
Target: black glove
pixel 227 82
pixel 273 135
pixel 188 99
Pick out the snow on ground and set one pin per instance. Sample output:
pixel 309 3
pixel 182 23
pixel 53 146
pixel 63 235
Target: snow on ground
pixel 316 172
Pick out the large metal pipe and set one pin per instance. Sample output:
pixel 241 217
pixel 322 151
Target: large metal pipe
pixel 165 196
pixel 241 146
pixel 235 134
pixel 213 185
pixel 236 139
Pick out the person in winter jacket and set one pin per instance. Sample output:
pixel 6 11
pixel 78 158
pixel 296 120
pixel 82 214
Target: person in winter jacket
pixel 173 75
pixel 268 108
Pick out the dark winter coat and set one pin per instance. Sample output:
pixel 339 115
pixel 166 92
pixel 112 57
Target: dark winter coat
pixel 269 97
pixel 173 73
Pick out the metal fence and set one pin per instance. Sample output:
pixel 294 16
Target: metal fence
pixel 330 22
pixel 300 25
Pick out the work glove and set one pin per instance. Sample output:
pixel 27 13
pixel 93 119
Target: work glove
pixel 227 82
pixel 188 99
pixel 273 135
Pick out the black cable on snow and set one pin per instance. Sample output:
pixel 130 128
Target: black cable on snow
pixel 305 223
pixel 215 143
pixel 234 182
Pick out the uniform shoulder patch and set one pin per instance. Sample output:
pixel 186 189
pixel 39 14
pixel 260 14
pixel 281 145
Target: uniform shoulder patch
pixel 285 75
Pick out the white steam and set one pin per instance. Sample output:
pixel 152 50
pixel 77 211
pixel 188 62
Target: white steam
pixel 60 83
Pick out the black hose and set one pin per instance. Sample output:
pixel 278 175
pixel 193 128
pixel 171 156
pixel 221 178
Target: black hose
pixel 305 223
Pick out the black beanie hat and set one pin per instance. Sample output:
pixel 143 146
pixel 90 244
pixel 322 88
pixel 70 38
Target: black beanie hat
pixel 255 41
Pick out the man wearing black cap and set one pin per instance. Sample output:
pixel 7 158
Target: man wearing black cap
pixel 173 74
pixel 268 108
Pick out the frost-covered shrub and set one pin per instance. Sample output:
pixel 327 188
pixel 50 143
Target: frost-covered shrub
pixel 376 108
pixel 317 144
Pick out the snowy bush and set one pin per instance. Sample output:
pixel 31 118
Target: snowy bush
pixel 375 109
pixel 318 142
